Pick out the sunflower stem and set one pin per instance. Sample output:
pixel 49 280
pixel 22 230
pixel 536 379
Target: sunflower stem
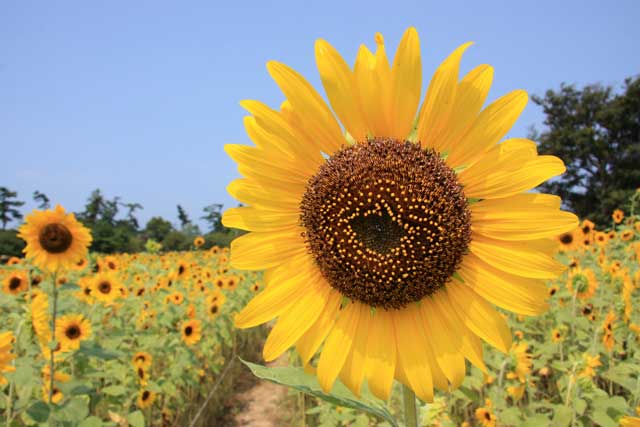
pixel 409 401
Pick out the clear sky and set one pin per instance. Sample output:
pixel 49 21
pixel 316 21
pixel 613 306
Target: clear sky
pixel 139 97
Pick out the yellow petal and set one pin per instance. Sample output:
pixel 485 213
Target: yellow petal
pixel 252 193
pixel 352 373
pixel 256 219
pixel 445 345
pixel 260 163
pixel 471 93
pixel 491 126
pixel 520 221
pixel 411 343
pixel 471 347
pixel 373 82
pixel 257 251
pixel 310 342
pixel 528 259
pixel 309 104
pixel 381 354
pixel 337 346
pixel 440 100
pixel 406 83
pixel 284 290
pixel 501 183
pixel 479 316
pixel 339 84
pixel 518 294
pixel 295 321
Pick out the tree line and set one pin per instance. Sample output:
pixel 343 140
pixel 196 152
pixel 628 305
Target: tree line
pixel 115 226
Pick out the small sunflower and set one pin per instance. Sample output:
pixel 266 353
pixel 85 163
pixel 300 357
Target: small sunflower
pixel 587 227
pixel 54 239
pixel 556 336
pixel 15 282
pixel 583 282
pixel 71 330
pixel 191 331
pixel 618 216
pixel 16 261
pixel 81 264
pixel 567 241
pixel 520 352
pixel 198 241
pixel 553 290
pixel 388 240
pixel 626 235
pixel 485 416
pixel 105 288
pixel 142 374
pixel 142 359
pixel 145 398
pixel 601 238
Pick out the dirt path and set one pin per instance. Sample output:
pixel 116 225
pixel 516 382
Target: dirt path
pixel 260 406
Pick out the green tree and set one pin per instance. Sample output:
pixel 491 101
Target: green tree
pixel 183 217
pixel 157 228
pixel 596 132
pixel 213 217
pixel 9 206
pixel 41 199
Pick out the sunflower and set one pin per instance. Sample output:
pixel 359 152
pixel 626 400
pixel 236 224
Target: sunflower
pixel 15 260
pixel 618 216
pixel 81 264
pixel 628 421
pixel 71 330
pixel 553 290
pixel 388 242
pixel 556 336
pixel 587 227
pixel 6 345
pixel 191 331
pixel 583 282
pixel 16 282
pixel 484 416
pixel 567 241
pixel 590 364
pixel 54 239
pixel 105 288
pixel 198 241
pixel 601 238
pixel 607 327
pixel 59 377
pixel 142 374
pixel 142 359
pixel 626 235
pixel 520 352
pixel 145 398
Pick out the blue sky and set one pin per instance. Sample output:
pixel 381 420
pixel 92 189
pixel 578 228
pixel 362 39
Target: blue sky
pixel 139 98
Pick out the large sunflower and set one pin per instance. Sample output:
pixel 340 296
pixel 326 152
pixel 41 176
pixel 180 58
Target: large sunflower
pixel 386 244
pixel 54 239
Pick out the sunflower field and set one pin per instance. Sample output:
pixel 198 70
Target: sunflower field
pixel 140 339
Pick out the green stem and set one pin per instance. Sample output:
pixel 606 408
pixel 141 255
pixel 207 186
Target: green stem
pixel 409 401
pixel 54 294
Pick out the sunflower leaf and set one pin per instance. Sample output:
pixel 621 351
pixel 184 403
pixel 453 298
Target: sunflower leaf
pixel 297 379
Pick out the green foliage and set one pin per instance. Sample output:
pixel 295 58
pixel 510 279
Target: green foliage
pixel 597 134
pixel 176 241
pixel 10 244
pixel 8 206
pixel 157 228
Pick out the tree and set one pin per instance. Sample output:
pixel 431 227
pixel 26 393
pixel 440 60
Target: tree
pixel 8 206
pixel 131 208
pixel 597 134
pixel 41 199
pixel 213 216
pixel 157 228
pixel 93 208
pixel 182 217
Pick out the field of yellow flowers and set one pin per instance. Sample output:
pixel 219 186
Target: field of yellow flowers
pixel 140 339
pixel 576 365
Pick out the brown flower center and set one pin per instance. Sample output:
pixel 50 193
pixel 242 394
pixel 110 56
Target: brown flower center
pixel 104 287
pixel 72 332
pixel 14 283
pixel 386 221
pixel 55 238
pixel 188 331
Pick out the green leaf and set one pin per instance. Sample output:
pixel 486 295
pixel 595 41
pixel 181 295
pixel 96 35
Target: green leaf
pixel 91 422
pixel 136 419
pixel 297 379
pixel 114 390
pixel 562 416
pixel 39 411
pixel 601 418
pixel 580 405
pixel 93 349
pixel 538 420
